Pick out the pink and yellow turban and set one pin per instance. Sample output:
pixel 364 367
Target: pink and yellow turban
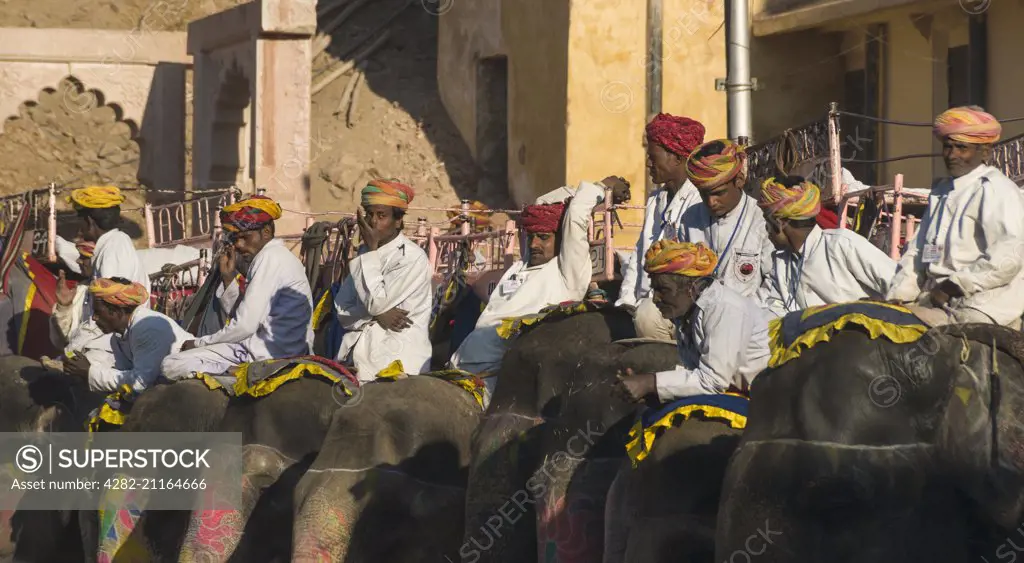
pixel 120 294
pixel 802 201
pixel 707 171
pixel 387 192
pixel 679 135
pixel 968 125
pixel 680 258
pixel 96 197
pixel 86 248
pixel 543 218
pixel 249 214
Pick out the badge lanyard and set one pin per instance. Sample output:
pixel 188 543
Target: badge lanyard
pixel 796 277
pixel 728 245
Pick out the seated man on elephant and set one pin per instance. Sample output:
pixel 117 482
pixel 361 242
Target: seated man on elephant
pixel 966 263
pixel 142 337
pixel 67 312
pixel 384 304
pixel 812 266
pixel 670 140
pixel 722 336
pixel 271 318
pixel 556 269
pixel 729 221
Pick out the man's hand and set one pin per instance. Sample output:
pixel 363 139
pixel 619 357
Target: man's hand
pixel 188 345
pixel 944 292
pixel 227 264
pixel 395 320
pixel 619 187
pixel 366 232
pixel 637 386
pixel 78 366
pixel 65 295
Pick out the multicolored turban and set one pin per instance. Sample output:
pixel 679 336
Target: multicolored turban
pixel 96 197
pixel 387 192
pixel 802 201
pixel 249 214
pixel 680 258
pixel 679 135
pixel 968 125
pixel 120 294
pixel 86 248
pixel 710 170
pixel 543 218
pixel 477 214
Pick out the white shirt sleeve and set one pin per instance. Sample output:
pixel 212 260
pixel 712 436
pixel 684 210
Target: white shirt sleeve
pixel 379 293
pixel 627 291
pixel 229 295
pixel 251 310
pixel 870 266
pixel 65 319
pixel 68 253
pixel 150 341
pixel 721 335
pixel 905 284
pixel 556 196
pixel 574 254
pixel 769 295
pixel 1002 229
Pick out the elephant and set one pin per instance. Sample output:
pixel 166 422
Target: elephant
pixel 389 481
pixel 552 440
pixel 864 450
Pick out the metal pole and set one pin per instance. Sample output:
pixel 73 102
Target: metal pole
pixel 51 226
pixel 738 85
pixel 654 57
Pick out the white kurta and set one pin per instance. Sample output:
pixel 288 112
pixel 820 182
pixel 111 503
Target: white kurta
pixel 68 253
pixel 739 239
pixel 64 320
pixel 271 320
pixel 972 234
pixel 397 274
pixel 526 290
pixel 663 219
pixel 834 266
pixel 725 344
pixel 149 338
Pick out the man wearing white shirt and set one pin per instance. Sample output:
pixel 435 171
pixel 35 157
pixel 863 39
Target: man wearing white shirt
pixel 384 304
pixel 556 269
pixel 966 263
pixel 271 319
pixel 812 266
pixel 722 336
pixel 141 338
pixel 670 140
pixel 729 221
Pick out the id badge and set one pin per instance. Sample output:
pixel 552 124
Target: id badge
pixel 931 254
pixel 510 286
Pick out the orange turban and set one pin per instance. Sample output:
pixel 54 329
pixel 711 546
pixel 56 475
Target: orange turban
pixel 96 197
pixel 120 294
pixel 249 214
pixel 715 163
pixel 477 214
pixel 387 192
pixel 802 201
pixel 680 258
pixel 968 125
pixel 86 248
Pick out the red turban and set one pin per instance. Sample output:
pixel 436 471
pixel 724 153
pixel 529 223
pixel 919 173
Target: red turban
pixel 542 218
pixel 679 135
pixel 249 214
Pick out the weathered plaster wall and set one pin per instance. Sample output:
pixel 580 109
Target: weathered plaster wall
pixel 1006 72
pixel 468 32
pixel 693 39
pixel 536 33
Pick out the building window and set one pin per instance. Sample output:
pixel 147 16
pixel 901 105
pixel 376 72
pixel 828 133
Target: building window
pixel 959 77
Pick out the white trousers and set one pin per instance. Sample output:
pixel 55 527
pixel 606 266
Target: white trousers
pixel 214 360
pixel 650 324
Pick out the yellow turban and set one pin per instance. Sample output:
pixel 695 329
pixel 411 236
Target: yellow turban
pixel 680 258
pixel 120 294
pixel 968 125
pixel 387 192
pixel 249 214
pixel 708 169
pixel 802 201
pixel 96 197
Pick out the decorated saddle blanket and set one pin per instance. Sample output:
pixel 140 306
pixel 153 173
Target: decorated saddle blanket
pixel 791 335
pixel 255 379
pixel 512 327
pixel 729 408
pixel 464 380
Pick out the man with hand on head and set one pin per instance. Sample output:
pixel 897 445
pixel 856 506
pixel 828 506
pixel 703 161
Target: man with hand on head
pixel 141 338
pixel 271 320
pixel 384 304
pixel 67 312
pixel 722 336
pixel 812 266
pixel 965 265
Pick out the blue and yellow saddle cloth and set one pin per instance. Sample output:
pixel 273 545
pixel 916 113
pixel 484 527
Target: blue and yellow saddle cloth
pixel 790 335
pixel 513 326
pixel 114 410
pixel 462 379
pixel 257 379
pixel 729 408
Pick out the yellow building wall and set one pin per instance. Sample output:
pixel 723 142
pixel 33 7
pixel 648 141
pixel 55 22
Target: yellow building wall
pixel 693 52
pixel 1005 68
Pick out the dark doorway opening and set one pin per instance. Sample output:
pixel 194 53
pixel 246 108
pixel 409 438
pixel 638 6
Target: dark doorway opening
pixel 492 130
